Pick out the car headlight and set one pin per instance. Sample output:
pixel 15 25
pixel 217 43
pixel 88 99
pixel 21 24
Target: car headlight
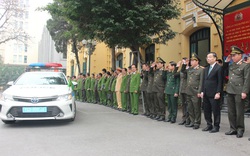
pixel 64 97
pixel 5 97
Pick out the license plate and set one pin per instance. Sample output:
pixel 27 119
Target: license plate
pixel 34 109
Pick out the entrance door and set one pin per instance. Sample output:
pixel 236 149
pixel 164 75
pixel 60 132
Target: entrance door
pixel 200 44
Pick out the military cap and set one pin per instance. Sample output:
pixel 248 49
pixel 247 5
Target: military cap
pixel 160 60
pixel 195 57
pixel 236 50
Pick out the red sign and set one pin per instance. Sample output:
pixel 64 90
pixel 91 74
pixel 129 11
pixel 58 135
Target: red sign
pixel 237 30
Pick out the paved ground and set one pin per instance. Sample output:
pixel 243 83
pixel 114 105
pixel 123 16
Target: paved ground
pixel 102 131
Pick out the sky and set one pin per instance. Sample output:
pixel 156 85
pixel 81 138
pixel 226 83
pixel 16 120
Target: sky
pixel 38 18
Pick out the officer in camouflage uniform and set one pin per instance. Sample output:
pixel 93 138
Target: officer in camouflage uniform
pixel 172 91
pixel 193 90
pixel 237 90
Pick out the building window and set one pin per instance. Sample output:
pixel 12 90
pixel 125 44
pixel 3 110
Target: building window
pixel 200 44
pixel 20 59
pixel 25 48
pixel 84 68
pixel 25 59
pixel 150 53
pixel 14 58
pixel 119 62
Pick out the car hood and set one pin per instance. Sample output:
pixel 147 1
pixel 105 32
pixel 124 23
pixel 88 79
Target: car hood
pixel 37 90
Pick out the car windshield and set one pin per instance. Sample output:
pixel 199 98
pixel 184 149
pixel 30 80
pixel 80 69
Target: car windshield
pixel 42 78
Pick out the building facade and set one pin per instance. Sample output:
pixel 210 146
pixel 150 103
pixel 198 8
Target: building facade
pixel 47 51
pixel 195 33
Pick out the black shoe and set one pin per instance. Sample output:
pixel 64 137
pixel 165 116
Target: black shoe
pixel 190 125
pixel 168 120
pixel 153 116
pixel 231 132
pixel 239 134
pixel 173 121
pixel 162 118
pixel 196 127
pixel 157 117
pixel 208 128
pixel 214 130
pixel 182 123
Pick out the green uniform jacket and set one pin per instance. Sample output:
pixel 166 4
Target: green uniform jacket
pixel 124 83
pixel 99 85
pixel 87 83
pixel 79 84
pixel 113 85
pixel 103 81
pixel 172 83
pixel 106 85
pixel 92 84
pixel 134 83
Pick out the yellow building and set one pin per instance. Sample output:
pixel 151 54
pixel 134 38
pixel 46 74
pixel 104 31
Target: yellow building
pixel 196 32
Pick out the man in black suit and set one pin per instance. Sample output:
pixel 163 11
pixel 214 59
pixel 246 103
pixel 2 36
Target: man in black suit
pixel 211 90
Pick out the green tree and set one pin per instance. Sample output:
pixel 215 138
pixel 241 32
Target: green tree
pixel 62 32
pixel 123 23
pixel 126 23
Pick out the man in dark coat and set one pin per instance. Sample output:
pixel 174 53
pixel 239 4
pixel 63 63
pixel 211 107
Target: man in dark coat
pixel 211 93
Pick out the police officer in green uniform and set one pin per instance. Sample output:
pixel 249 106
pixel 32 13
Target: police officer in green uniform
pixel 134 90
pixel 126 91
pixel 79 87
pixel 106 88
pixel 99 86
pixel 96 99
pixel 237 90
pixel 87 87
pixel 122 89
pixel 103 81
pixel 92 88
pixel 158 89
pixel 172 91
pixel 193 90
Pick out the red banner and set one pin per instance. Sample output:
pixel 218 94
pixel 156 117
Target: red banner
pixel 237 30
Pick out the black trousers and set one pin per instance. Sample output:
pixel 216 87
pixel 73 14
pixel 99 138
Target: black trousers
pixel 212 106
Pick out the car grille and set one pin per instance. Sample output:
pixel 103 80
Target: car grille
pixel 52 111
pixel 29 100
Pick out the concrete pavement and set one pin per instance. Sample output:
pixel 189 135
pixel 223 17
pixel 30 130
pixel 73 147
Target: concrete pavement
pixel 101 131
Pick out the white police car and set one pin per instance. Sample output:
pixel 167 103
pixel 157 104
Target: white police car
pixel 38 96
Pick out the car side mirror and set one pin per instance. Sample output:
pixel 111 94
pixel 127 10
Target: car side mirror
pixel 10 83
